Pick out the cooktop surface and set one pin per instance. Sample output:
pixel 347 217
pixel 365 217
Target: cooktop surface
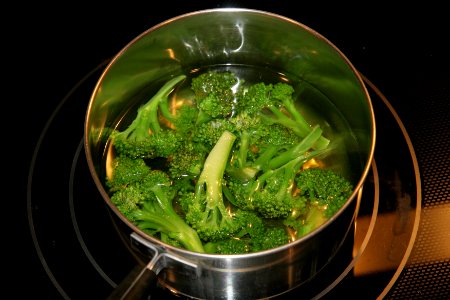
pixel 73 248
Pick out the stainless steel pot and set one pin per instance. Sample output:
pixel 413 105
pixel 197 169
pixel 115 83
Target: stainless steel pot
pixel 234 36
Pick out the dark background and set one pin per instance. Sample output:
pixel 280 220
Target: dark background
pixel 403 50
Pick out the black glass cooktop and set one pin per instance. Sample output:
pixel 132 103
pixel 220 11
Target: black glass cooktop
pixel 84 253
pixel 400 246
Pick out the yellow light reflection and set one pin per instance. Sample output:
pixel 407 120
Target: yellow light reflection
pixel 109 162
pixel 171 54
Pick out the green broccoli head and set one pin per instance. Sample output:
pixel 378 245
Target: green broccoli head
pixel 269 194
pixel 129 200
pixel 254 235
pixel 275 104
pixel 215 93
pixel 184 119
pixel 273 200
pixel 272 194
pixel 208 133
pixel 324 187
pixel 268 190
pixel 158 215
pixel 283 93
pixel 322 192
pixel 273 237
pixel 126 171
pixel 255 98
pixel 161 144
pixel 250 223
pixel 254 137
pixel 145 137
pixel 145 197
pixel 239 193
pixel 187 161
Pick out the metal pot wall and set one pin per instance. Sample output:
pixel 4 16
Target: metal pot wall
pixel 234 36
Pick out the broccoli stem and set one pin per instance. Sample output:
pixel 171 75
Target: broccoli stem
pixel 301 148
pixel 268 160
pixel 285 175
pixel 292 109
pixel 147 114
pixel 265 157
pixel 245 172
pixel 298 124
pixel 300 128
pixel 214 168
pixel 292 166
pixel 167 221
pixel 215 219
pixel 290 170
pixel 243 149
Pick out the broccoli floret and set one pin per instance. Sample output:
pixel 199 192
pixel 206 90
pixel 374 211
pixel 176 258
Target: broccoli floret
pixel 147 201
pixel 215 94
pixel 145 137
pixel 270 192
pixel 256 144
pixel 274 237
pixel 257 234
pixel 303 148
pixel 275 155
pixel 255 98
pixel 184 119
pixel 272 197
pixel 208 133
pixel 255 137
pixel 129 200
pixel 249 130
pixel 124 184
pixel 254 235
pixel 276 105
pixel 207 213
pixel 322 193
pixel 278 135
pixel 187 161
pixel 126 171
pixel 325 188
pixel 157 214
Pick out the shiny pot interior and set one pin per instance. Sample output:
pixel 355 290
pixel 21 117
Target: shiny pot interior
pixel 235 37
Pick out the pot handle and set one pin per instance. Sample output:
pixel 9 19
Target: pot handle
pixel 140 283
pixel 137 285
